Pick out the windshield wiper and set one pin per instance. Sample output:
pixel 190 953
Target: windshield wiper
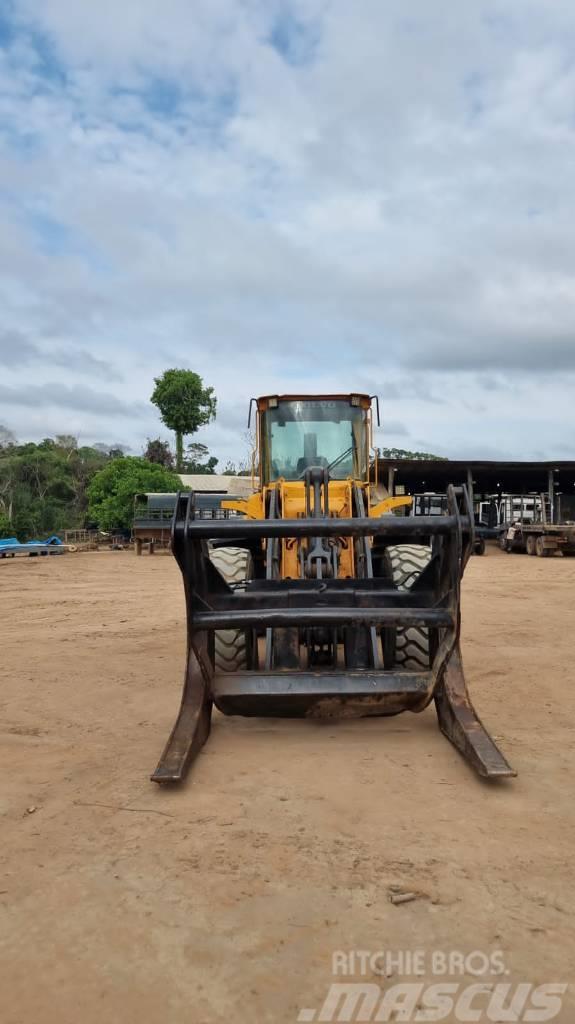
pixel 340 458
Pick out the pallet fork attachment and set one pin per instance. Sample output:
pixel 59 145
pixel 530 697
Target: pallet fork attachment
pixel 361 615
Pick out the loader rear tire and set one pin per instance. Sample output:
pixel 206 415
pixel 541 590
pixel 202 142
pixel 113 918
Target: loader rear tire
pixel 405 563
pixel 231 645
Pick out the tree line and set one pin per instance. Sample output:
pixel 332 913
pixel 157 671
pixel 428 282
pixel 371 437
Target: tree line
pixel 56 484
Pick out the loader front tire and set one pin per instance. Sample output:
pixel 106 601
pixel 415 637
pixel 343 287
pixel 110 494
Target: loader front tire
pixel 231 645
pixel 405 563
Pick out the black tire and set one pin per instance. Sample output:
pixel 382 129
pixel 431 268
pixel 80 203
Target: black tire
pixel 530 544
pixel 404 563
pixel 231 645
pixel 480 546
pixel 541 550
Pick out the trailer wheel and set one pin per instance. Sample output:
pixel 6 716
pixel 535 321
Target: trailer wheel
pixel 404 564
pixel 231 647
pixel 479 546
pixel 531 545
pixel 540 548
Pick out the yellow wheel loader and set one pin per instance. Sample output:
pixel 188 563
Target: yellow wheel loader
pixel 310 599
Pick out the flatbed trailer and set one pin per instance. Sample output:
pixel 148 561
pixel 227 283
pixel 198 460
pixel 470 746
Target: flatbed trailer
pixel 542 539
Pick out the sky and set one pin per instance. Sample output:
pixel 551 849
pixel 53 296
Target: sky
pixel 290 196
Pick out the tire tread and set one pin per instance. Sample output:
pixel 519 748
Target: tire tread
pixel 230 645
pixel 405 563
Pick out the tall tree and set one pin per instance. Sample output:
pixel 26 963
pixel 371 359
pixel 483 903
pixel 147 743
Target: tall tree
pixel 185 405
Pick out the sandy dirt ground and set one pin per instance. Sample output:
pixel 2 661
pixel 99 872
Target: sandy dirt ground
pixel 225 899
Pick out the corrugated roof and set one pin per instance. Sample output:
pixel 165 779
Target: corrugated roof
pixel 217 483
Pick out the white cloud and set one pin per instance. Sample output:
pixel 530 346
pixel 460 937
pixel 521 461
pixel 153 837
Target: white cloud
pixel 296 195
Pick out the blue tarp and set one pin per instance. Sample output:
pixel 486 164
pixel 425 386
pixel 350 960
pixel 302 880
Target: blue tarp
pixel 13 542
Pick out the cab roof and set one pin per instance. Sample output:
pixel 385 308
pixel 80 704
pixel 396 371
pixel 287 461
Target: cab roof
pixel 315 397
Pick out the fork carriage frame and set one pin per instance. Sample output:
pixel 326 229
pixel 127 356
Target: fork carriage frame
pixel 364 612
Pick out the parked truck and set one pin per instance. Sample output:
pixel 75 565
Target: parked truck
pixel 541 539
pixel 537 533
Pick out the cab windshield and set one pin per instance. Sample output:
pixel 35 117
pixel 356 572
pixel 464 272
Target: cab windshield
pixel 315 432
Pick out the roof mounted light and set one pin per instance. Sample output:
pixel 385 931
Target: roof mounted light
pixel 273 403
pixel 355 400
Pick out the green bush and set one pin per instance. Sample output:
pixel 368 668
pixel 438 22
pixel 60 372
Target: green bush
pixel 112 490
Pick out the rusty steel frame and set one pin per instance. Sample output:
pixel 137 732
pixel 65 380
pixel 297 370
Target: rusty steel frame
pixel 360 607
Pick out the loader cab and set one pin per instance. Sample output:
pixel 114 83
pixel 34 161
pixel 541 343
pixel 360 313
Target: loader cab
pixel 297 432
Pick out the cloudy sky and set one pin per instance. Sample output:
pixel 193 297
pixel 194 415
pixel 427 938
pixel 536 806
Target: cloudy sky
pixel 290 195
